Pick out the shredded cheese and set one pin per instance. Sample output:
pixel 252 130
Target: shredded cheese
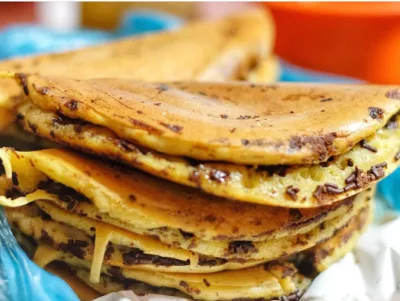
pixel 194 260
pixel 103 236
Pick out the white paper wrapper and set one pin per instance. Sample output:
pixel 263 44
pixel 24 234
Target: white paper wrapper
pixel 370 273
pixel 130 296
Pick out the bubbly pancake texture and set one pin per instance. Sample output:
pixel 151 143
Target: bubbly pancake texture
pixel 290 186
pixel 239 122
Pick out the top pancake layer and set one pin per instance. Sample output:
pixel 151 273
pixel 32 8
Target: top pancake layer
pixel 236 122
pixel 229 47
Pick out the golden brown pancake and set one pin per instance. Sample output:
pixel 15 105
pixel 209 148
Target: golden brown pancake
pixel 129 196
pixel 49 223
pixel 290 186
pixel 221 285
pixel 236 122
pixel 319 258
pixel 219 50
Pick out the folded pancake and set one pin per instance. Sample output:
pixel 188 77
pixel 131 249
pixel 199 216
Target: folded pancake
pixel 218 50
pixel 64 230
pixel 129 195
pixel 240 122
pixel 152 224
pixel 96 128
pixel 271 280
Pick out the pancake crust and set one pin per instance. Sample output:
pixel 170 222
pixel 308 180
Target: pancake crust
pixel 123 247
pixel 239 254
pixel 129 196
pixel 239 122
pixel 220 286
pixel 267 185
pixel 229 47
pixel 274 280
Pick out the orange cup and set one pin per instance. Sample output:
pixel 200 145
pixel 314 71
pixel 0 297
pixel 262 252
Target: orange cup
pixel 360 40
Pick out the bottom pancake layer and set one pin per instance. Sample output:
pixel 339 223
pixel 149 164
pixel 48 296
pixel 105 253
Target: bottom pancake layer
pixel 284 277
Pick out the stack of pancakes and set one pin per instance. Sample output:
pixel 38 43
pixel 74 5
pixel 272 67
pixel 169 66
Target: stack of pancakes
pixel 238 47
pixel 211 191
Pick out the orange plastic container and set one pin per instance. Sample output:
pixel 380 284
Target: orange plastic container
pixel 361 40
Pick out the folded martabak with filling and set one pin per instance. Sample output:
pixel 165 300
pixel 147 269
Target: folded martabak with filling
pixel 123 228
pixel 286 145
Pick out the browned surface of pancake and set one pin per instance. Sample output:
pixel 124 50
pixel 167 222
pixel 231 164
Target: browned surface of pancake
pixel 237 122
pixel 219 50
pixel 182 207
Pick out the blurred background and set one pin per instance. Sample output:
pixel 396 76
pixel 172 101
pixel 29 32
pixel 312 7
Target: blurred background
pixel 359 40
